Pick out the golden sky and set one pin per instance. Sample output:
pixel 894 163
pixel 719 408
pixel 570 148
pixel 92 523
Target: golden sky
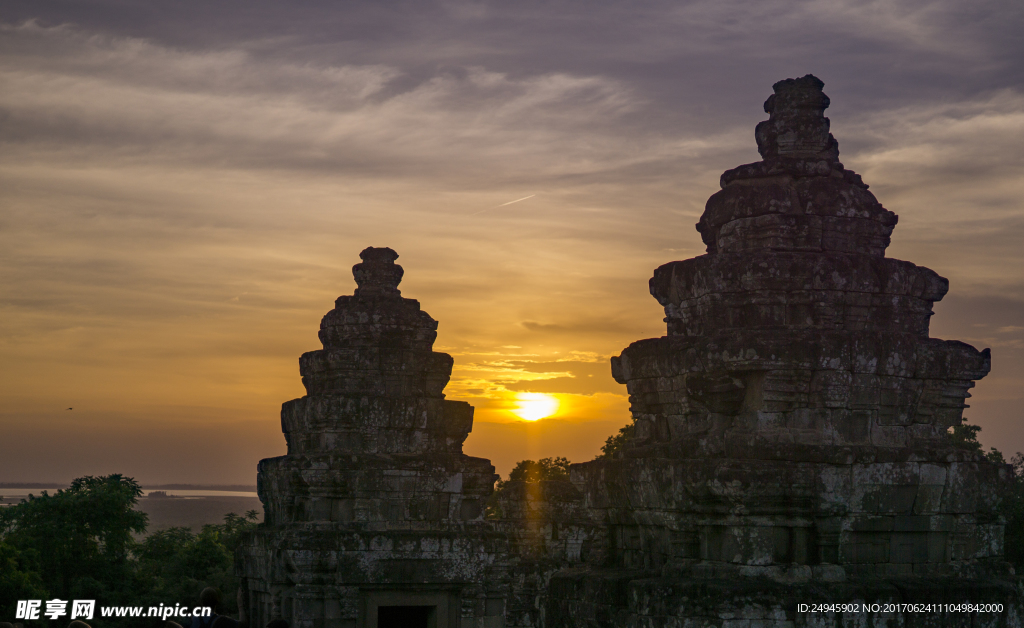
pixel 184 194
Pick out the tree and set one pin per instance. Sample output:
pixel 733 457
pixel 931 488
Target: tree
pixel 616 442
pixel 1013 509
pixel 527 471
pixel 1012 493
pixel 175 564
pixel 19 578
pixel 543 469
pixel 78 544
pixel 965 436
pixel 81 536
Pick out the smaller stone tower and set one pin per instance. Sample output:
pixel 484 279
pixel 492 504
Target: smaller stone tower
pixel 375 516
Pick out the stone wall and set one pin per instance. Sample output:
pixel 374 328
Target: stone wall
pixel 375 505
pixel 789 445
pixel 790 429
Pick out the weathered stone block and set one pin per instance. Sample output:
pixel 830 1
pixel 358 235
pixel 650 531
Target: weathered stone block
pixel 789 441
pixel 374 491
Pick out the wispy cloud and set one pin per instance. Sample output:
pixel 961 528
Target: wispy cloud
pixel 187 184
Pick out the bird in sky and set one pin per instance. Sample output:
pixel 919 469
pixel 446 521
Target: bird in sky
pixel 70 408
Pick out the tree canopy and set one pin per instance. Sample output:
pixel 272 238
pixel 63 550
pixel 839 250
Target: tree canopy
pixel 616 442
pixel 543 469
pixel 80 536
pixel 80 543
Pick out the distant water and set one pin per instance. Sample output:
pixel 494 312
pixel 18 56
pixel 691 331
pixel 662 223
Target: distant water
pixel 175 493
pixel 189 508
pixel 18 493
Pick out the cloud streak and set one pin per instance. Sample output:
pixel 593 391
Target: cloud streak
pixel 186 185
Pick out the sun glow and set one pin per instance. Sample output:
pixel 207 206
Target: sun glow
pixel 535 406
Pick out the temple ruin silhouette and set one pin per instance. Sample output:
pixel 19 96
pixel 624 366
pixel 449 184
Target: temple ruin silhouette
pixel 789 446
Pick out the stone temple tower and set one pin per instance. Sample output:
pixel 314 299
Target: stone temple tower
pixel 790 428
pixel 789 446
pixel 375 516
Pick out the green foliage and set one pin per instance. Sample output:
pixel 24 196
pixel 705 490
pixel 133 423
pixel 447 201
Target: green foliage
pixel 965 436
pixel 174 565
pixel 19 578
pixel 234 527
pixel 616 442
pixel 1013 510
pixel 79 544
pixel 82 535
pixel 527 471
pixel 1012 494
pixel 543 469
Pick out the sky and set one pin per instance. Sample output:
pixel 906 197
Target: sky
pixel 185 186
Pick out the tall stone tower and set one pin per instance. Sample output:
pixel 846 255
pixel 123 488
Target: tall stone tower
pixel 789 445
pixel 375 516
pixel 790 429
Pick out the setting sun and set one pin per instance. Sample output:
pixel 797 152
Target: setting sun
pixel 535 406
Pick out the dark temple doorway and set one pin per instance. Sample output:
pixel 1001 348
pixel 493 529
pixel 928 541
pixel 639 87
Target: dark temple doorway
pixel 406 617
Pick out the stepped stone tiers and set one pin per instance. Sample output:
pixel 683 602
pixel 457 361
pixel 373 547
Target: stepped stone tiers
pixel 789 446
pixel 375 515
pixel 790 429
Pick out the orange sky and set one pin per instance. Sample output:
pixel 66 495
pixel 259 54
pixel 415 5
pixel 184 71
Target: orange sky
pixel 178 212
